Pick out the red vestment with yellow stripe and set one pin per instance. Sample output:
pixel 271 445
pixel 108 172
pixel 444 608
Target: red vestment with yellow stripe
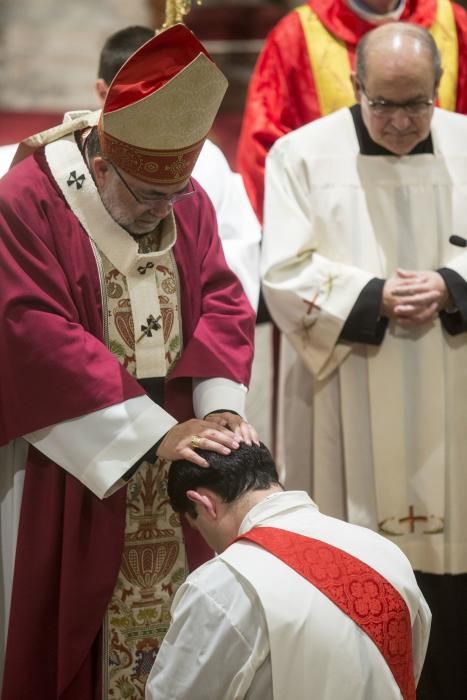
pixel 301 73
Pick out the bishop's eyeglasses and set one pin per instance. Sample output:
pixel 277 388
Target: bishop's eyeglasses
pixel 157 198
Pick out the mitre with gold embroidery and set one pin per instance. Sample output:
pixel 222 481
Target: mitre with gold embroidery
pixel 160 107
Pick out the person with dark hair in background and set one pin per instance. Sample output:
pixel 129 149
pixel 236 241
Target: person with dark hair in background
pixel 117 48
pixel 295 603
pixel 126 342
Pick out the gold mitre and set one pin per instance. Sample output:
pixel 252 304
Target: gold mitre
pixel 160 107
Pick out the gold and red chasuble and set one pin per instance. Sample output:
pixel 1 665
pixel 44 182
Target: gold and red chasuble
pixel 153 562
pixel 356 588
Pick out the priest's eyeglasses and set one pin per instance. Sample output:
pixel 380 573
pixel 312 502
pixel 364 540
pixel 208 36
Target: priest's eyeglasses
pixel 387 108
pixel 156 198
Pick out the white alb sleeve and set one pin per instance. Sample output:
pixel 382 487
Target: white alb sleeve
pixel 239 229
pixel 216 643
pixel 100 447
pixel 218 393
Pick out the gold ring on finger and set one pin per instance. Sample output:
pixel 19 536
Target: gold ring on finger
pixel 195 442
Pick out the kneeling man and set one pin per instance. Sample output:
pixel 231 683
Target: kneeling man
pixel 296 602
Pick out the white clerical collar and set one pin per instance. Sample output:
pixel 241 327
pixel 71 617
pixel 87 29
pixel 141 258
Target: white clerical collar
pixel 364 12
pixel 278 502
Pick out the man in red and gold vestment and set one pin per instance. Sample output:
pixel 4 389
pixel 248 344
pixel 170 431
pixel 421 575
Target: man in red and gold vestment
pixel 304 69
pixel 126 342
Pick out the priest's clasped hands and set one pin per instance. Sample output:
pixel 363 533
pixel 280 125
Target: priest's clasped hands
pixel 413 297
pixel 219 432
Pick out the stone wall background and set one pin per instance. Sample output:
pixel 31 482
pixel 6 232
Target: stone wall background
pixel 49 49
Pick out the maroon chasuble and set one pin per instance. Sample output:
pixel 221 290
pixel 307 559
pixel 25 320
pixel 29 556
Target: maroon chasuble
pixel 55 367
pixel 356 588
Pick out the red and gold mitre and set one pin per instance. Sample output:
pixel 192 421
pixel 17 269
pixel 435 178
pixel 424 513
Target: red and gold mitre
pixel 160 107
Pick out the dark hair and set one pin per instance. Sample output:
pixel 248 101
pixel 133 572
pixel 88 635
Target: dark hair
pixel 119 47
pixel 249 468
pixel 408 29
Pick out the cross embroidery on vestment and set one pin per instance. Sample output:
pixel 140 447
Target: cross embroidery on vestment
pixel 153 325
pixel 73 179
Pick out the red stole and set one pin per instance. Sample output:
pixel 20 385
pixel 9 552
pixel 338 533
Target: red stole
pixel 357 589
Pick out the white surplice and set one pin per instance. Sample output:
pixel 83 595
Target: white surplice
pixel 239 228
pixel 245 625
pixel 383 427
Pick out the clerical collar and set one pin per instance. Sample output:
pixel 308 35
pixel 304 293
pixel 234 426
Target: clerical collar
pixel 364 12
pixel 369 148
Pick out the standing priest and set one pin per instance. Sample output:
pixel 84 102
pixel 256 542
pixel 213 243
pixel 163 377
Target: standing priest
pixel 126 342
pixel 361 273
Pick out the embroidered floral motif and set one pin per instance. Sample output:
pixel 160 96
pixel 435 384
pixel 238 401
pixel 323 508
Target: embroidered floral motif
pixel 149 242
pixel 167 316
pixel 153 563
pixel 357 589
pixel 169 286
pixel 121 324
pixel 153 567
pixel 117 349
pixel 178 166
pixel 124 324
pixel 114 290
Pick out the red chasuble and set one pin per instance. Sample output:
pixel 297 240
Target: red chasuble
pixel 55 367
pixel 282 95
pixel 356 588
